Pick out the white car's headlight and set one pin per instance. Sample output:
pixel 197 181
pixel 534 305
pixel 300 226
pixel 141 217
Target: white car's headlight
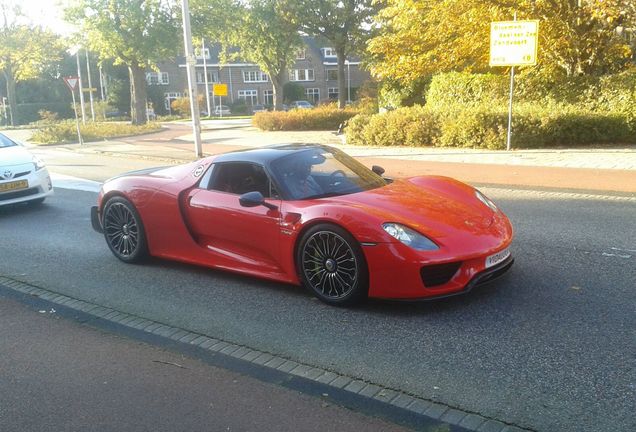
pixel 38 164
pixel 483 198
pixel 409 237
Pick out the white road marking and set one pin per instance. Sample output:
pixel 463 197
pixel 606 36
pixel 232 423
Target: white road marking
pixel 622 250
pixel 69 182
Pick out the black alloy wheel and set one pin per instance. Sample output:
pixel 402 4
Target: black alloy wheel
pixel 331 263
pixel 124 230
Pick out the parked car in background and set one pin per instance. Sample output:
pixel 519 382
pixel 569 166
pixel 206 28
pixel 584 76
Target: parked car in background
pixel 23 177
pixel 222 110
pixel 301 104
pixel 259 108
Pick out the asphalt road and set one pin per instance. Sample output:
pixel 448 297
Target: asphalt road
pixel 550 347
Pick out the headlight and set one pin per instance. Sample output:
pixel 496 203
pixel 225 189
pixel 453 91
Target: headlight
pixel 483 198
pixel 37 163
pixel 409 237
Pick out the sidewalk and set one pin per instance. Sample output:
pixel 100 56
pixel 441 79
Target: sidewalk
pixel 60 375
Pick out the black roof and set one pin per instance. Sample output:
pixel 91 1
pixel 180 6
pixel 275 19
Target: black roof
pixel 265 155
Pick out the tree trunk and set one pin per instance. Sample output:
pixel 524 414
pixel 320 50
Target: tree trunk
pixel 342 84
pixel 278 82
pixel 137 94
pixel 11 96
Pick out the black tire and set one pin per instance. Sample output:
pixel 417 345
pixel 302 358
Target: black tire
pixel 124 230
pixel 331 264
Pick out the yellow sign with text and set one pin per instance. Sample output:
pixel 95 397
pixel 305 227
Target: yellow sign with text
pixel 219 89
pixel 514 43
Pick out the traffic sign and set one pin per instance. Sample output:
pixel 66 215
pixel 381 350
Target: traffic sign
pixel 514 43
pixel 71 82
pixel 219 89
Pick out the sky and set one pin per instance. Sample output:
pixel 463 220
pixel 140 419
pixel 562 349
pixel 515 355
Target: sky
pixel 47 13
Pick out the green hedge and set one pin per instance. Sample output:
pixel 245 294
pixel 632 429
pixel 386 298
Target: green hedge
pixel 324 117
pixel 485 127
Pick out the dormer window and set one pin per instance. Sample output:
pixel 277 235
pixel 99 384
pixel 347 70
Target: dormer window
pixel 206 52
pixel 329 53
pixel 301 54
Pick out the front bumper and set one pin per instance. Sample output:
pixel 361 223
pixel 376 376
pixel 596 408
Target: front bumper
pixel 39 186
pixel 394 273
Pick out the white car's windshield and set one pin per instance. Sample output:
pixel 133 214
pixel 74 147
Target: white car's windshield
pixel 6 142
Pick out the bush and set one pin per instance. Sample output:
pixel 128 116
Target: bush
pixel 66 132
pixel 29 112
pixel 323 117
pixel 293 92
pixel 182 105
pixel 486 127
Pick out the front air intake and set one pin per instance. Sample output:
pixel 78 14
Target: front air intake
pixel 439 274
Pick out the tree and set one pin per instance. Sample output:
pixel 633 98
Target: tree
pixel 262 32
pixel 25 52
pixel 422 37
pixel 134 33
pixel 344 23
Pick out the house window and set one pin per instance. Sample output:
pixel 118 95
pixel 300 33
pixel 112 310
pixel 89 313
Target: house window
pixel 332 74
pixel 332 92
pixel 301 75
pixel 169 97
pixel 301 54
pixel 329 52
pixel 254 76
pixel 250 97
pixel 206 52
pixel 313 95
pixel 212 77
pixel 268 95
pixel 157 78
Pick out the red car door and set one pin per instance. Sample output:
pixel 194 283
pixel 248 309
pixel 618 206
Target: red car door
pixel 244 238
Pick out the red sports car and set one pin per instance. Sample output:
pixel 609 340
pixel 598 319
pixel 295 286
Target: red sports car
pixel 310 215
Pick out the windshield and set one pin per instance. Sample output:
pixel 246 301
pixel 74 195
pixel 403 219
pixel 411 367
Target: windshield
pixel 6 142
pixel 321 172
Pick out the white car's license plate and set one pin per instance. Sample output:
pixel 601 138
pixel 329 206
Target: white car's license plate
pixel 14 185
pixel 497 258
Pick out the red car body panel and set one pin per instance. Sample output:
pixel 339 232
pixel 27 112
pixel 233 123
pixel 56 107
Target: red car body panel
pixel 210 228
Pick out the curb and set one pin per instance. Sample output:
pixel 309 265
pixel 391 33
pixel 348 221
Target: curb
pixel 364 396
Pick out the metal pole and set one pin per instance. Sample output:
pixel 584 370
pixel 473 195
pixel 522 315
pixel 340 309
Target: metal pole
pixel 79 134
pixel 101 82
pixel 348 81
pixel 90 85
pixel 512 87
pixel 205 74
pixel 79 83
pixel 192 87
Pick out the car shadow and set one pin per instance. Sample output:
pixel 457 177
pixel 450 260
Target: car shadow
pixel 21 209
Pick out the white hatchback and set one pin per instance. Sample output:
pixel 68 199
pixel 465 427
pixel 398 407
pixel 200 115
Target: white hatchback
pixel 23 177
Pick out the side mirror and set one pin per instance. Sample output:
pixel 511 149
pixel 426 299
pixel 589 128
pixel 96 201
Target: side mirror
pixel 377 169
pixel 255 199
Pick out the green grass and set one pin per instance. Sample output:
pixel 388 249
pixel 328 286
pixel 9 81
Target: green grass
pixel 66 132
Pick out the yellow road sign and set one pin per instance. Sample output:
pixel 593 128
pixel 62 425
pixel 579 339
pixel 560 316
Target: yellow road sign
pixel 87 89
pixel 219 89
pixel 514 43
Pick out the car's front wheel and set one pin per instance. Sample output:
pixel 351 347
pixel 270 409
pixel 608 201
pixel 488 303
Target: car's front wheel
pixel 331 263
pixel 124 230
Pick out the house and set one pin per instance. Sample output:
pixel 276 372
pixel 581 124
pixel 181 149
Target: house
pixel 315 69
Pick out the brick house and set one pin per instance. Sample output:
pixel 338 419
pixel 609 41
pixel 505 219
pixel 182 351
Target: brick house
pixel 315 69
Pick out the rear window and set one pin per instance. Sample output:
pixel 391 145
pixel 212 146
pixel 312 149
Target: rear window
pixel 6 142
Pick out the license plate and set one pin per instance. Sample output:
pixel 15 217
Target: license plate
pixel 497 258
pixel 14 185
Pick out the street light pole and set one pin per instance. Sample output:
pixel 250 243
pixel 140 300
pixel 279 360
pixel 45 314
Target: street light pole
pixel 90 85
pixel 205 74
pixel 81 92
pixel 190 62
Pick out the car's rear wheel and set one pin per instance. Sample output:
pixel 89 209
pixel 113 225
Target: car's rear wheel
pixel 331 263
pixel 124 230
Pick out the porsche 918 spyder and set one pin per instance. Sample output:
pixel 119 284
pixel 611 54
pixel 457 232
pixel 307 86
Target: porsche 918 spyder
pixel 310 215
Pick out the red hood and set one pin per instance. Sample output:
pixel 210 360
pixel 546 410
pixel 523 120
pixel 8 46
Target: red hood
pixel 441 208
